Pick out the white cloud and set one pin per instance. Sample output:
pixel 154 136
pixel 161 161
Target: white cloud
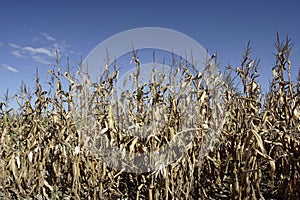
pixel 17 54
pixel 61 46
pixel 57 46
pixel 1 44
pixel 10 68
pixel 42 49
pixel 48 37
pixel 41 54
pixel 41 59
pixel 39 51
pixel 14 45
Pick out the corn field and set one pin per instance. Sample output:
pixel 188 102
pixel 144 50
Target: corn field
pixel 255 156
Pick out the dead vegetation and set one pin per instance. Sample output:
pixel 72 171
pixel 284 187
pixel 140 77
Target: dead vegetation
pixel 257 155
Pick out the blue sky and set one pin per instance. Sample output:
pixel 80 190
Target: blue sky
pixel 32 30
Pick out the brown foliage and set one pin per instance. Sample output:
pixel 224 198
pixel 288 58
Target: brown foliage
pixel 257 156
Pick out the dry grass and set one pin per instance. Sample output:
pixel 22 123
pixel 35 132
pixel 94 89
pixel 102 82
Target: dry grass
pixel 257 156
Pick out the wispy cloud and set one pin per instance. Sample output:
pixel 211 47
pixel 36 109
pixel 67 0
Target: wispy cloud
pixel 35 51
pixel 48 37
pixel 41 59
pixel 10 68
pixel 1 44
pixel 42 50
pixel 14 45
pixel 40 54
pixel 17 54
pixel 61 47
